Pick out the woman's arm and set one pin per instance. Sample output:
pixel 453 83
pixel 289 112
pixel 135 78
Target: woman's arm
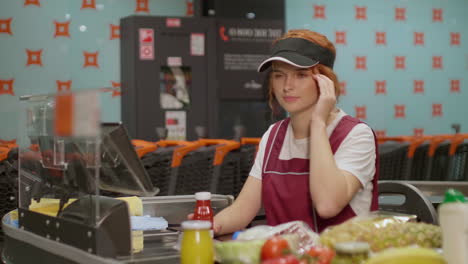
pixel 238 215
pixel 331 189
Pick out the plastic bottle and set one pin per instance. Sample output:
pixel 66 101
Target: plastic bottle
pixel 453 219
pixel 203 210
pixel 197 245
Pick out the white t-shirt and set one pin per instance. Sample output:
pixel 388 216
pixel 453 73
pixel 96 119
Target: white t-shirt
pixel 356 154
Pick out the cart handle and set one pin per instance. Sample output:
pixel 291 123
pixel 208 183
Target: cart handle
pixel 225 146
pixel 251 141
pixel 168 143
pixel 180 152
pixel 457 140
pixel 142 147
pixel 415 143
pixel 4 153
pixel 8 143
pixel 435 142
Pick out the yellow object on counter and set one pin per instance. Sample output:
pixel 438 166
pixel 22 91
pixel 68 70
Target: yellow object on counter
pixel 50 206
pixel 407 255
pixel 47 206
pixel 135 205
pixel 137 241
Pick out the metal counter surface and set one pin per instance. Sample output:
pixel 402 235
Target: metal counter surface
pixel 25 247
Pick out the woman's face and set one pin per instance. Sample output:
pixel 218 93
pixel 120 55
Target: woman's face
pixel 295 88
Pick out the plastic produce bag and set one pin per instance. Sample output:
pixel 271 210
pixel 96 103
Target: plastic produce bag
pixel 383 231
pixel 246 249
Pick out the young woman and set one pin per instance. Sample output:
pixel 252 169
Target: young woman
pixel 320 164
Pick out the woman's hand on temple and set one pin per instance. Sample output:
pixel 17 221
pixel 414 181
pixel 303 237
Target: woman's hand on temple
pixel 326 100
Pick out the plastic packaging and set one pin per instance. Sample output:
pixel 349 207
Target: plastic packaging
pixel 306 238
pixel 453 219
pixel 197 244
pixel 383 231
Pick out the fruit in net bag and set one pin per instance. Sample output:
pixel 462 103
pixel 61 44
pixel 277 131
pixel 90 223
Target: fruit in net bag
pixel 382 233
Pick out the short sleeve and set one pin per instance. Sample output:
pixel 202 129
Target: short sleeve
pixel 256 170
pixel 357 154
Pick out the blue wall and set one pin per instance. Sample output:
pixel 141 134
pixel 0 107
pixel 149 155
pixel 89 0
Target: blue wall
pixel 29 24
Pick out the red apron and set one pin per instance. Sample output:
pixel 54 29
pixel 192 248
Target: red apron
pixel 285 183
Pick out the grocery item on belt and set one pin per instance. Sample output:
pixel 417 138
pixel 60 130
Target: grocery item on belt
pixel 407 255
pixel 383 232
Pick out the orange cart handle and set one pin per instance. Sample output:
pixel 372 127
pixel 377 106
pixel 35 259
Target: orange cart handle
pixel 457 140
pixel 4 153
pixel 252 141
pixel 225 146
pixel 168 143
pixel 8 143
pixel 415 143
pixel 143 147
pixel 435 142
pixel 180 152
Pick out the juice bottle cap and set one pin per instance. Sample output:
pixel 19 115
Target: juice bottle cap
pixel 196 224
pixel 452 195
pixel 203 196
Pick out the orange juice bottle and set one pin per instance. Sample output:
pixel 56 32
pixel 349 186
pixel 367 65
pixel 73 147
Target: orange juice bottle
pixel 197 244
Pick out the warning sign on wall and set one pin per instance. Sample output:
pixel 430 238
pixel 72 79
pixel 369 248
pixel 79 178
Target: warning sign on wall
pixel 146 37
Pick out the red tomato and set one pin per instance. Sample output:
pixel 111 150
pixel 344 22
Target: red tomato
pixel 274 247
pixel 289 259
pixel 324 255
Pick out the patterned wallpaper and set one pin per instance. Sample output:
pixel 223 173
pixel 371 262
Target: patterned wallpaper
pixel 52 45
pixel 402 63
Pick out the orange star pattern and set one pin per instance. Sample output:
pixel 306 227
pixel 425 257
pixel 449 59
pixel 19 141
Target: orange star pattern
pixel 142 6
pixel 5 26
pixel 90 59
pixel 62 29
pixel 32 2
pixel 189 8
pixel 34 57
pixel 6 86
pixel 380 133
pixel 114 31
pixel 116 91
pixel 88 4
pixel 343 90
pixel 63 86
pixel 360 112
pixel 381 87
pixel 418 132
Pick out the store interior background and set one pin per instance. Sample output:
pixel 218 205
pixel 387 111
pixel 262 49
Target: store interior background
pixel 403 63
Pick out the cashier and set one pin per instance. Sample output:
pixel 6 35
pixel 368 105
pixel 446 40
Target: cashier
pixel 318 165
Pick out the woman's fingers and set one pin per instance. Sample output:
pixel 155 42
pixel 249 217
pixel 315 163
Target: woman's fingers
pixel 190 216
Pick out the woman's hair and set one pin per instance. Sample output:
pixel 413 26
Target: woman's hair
pixel 319 39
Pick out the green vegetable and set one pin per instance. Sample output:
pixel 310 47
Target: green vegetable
pixel 238 252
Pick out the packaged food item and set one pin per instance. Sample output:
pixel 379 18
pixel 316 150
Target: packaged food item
pixel 383 232
pixel 407 255
pixel 197 244
pixel 304 237
pixel 351 253
pixel 453 219
pixel 238 252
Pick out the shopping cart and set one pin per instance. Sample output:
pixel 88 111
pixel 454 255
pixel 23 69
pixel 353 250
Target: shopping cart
pixel 159 163
pixel 438 158
pixel 249 148
pixel 458 155
pixel 393 157
pixel 211 165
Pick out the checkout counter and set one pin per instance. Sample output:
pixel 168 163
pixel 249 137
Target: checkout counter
pixel 67 159
pixel 72 164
